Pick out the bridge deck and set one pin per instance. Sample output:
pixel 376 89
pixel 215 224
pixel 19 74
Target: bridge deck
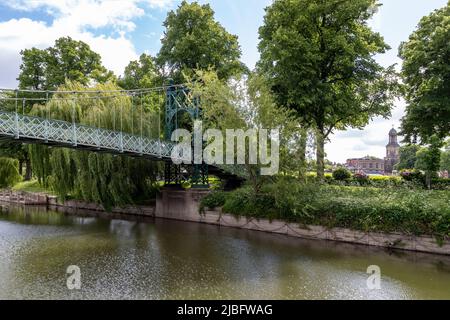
pixel 14 126
pixel 73 135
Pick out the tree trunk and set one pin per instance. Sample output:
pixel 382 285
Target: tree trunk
pixel 302 154
pixel 28 171
pixel 20 168
pixel 320 154
pixel 428 178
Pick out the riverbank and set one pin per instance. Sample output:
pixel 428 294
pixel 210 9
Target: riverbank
pixel 183 205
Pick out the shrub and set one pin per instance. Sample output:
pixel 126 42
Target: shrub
pixel 359 208
pixel 213 200
pixel 9 172
pixel 413 176
pixel 342 174
pixel 361 178
pixel 440 184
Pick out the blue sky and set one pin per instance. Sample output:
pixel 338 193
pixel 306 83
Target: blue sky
pixel 121 30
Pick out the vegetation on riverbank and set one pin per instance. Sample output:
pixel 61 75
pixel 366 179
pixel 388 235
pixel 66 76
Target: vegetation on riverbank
pixel 32 186
pixel 412 179
pixel 404 210
pixel 9 172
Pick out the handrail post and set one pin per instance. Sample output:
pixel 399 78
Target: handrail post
pixel 74 130
pixel 16 120
pixel 121 141
pixel 47 130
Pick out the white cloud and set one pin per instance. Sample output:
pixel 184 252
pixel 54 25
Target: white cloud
pixel 77 19
pixel 371 141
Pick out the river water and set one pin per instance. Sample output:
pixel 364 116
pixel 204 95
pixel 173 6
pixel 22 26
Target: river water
pixel 130 258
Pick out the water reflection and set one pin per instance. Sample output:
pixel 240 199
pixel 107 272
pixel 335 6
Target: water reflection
pixel 147 259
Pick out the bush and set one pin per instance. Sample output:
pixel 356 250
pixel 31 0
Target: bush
pixel 413 176
pixel 440 184
pixel 368 209
pixel 213 200
pixel 342 174
pixel 361 178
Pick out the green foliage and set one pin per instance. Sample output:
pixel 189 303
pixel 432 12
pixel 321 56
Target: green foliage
pixel 429 159
pixel 341 174
pixel 445 160
pixel 194 40
pixel 247 202
pixel 9 172
pixel 441 184
pixel 416 212
pixel 31 186
pixel 408 157
pixel 140 74
pixel 426 76
pixel 445 157
pixel 361 178
pixel 101 178
pixel 319 59
pixel 215 199
pixel 66 60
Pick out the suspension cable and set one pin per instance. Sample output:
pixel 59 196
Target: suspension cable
pixel 142 120
pixel 132 114
pixel 16 102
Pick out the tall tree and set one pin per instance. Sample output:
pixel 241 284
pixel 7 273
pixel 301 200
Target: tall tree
pixel 9 174
pixel 426 74
pixel 101 178
pixel 319 57
pixel 140 74
pixel 19 152
pixel 68 59
pixel 408 157
pixel 195 40
pixel 429 159
pixel 445 157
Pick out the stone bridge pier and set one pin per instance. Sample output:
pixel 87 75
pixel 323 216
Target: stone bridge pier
pixel 179 204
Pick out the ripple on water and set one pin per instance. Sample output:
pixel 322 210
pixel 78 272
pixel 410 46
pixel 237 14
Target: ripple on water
pixel 122 259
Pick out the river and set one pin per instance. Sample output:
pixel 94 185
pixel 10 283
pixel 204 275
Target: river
pixel 132 258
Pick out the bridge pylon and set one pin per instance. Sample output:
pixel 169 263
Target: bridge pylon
pixel 179 101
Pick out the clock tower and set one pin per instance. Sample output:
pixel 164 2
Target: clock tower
pixel 392 152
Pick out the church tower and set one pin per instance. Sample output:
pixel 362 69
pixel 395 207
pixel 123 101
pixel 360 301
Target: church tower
pixel 392 152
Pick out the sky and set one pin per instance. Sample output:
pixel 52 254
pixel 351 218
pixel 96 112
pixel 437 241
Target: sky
pixel 121 30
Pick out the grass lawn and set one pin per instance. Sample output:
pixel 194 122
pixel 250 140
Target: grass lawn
pixel 31 186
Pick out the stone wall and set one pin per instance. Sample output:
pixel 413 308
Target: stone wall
pixel 25 198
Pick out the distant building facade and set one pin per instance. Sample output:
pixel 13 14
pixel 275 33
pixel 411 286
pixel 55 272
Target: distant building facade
pixel 392 152
pixel 368 165
pixel 373 165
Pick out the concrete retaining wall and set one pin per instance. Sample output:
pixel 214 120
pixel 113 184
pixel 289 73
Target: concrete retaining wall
pixel 184 205
pixel 21 197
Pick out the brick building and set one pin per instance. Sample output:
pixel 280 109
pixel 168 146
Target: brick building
pixel 373 165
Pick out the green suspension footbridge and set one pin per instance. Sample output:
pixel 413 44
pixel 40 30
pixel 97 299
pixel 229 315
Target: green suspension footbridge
pixel 172 102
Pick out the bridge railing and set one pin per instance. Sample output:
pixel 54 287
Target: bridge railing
pixel 17 126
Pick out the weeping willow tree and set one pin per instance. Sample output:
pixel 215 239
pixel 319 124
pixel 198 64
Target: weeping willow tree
pixel 9 172
pixel 102 178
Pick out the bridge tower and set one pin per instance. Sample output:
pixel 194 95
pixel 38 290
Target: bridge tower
pixel 179 101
